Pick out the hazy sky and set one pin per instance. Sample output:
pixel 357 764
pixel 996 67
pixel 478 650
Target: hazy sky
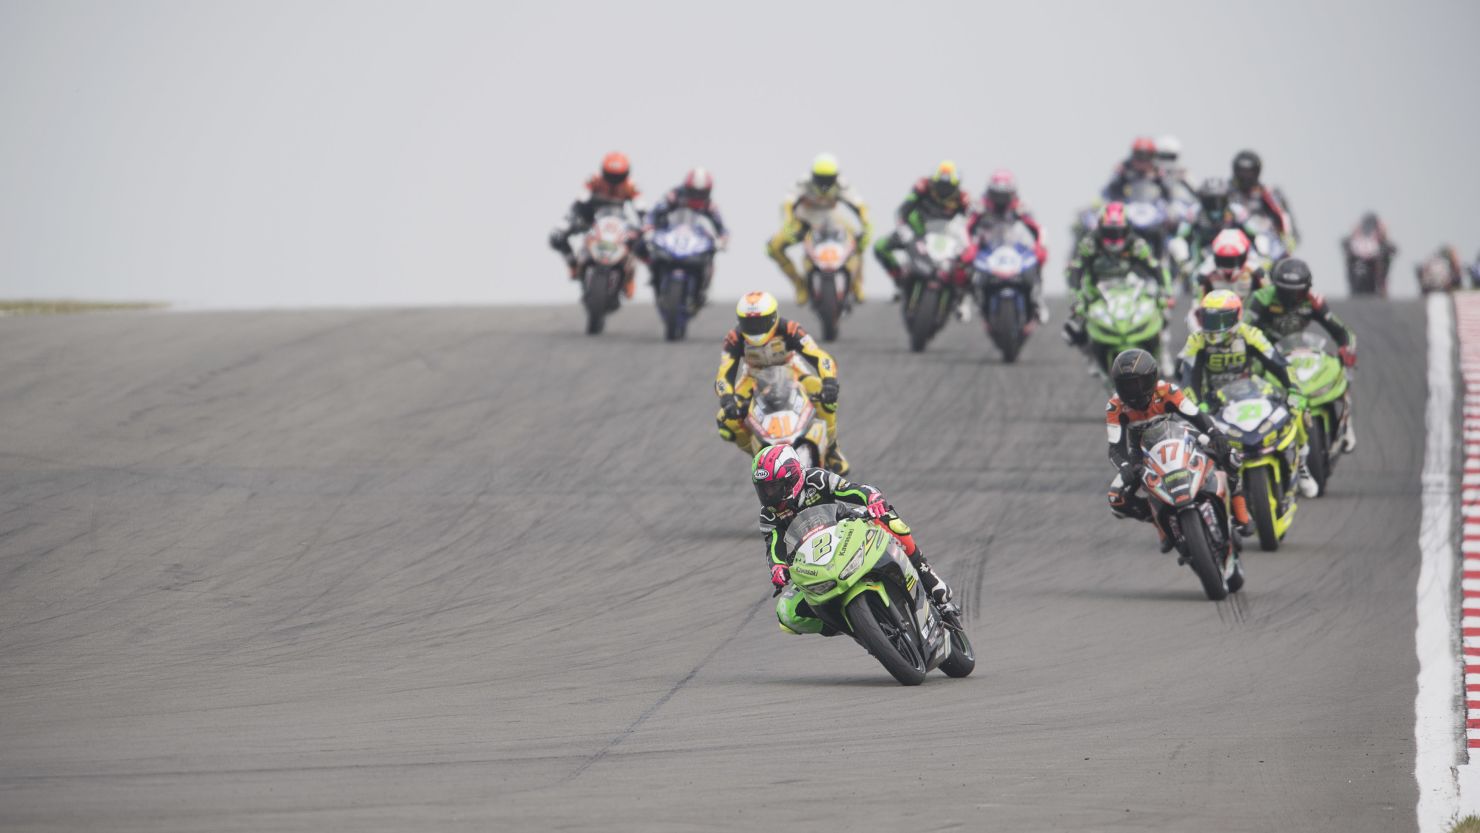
pixel 344 153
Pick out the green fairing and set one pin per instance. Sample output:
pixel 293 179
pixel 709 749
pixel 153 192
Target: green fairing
pixel 1127 314
pixel 857 539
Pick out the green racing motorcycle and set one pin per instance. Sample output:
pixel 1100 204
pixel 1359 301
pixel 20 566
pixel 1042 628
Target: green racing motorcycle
pixel 1325 383
pixel 1127 314
pixel 857 579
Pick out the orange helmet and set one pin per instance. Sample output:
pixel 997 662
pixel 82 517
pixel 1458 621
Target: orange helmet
pixel 615 167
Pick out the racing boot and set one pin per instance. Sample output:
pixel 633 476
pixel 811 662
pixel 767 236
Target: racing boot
pixel 1303 478
pixel 1349 437
pixel 573 268
pixel 936 586
pixel 1164 540
pixel 963 309
pixel 855 279
pixel 836 462
pixel 1244 524
pixel 629 286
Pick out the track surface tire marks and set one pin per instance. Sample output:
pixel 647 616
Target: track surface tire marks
pixel 389 570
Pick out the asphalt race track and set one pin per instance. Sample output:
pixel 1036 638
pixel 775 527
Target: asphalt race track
pixel 471 569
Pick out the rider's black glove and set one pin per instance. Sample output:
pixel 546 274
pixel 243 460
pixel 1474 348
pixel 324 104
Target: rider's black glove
pixel 829 394
pixel 730 404
pixel 1220 445
pixel 1131 474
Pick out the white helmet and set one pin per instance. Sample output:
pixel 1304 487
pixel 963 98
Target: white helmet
pixel 1168 148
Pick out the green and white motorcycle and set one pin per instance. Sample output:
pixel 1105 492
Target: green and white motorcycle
pixel 1324 382
pixel 856 578
pixel 1128 314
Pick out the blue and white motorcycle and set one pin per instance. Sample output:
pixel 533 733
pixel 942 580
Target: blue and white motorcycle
pixel 682 255
pixel 1005 277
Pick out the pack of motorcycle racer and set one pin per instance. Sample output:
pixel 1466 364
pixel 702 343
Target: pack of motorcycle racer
pixel 785 488
pixel 692 194
pixel 1000 206
pixel 762 338
pixel 1113 250
pixel 1288 305
pixel 813 201
pixel 1225 349
pixel 936 197
pixel 610 188
pixel 1141 396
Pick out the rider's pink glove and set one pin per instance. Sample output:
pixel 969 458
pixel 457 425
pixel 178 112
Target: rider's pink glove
pixel 1348 356
pixel 877 508
pixel 779 575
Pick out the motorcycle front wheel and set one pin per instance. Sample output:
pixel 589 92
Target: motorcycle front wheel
pixel 922 318
pixel 825 297
pixel 1263 505
pixel 595 299
pixel 1200 554
pixel 887 636
pixel 1007 329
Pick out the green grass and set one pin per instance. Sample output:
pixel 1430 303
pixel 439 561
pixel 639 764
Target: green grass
pixel 31 306
pixel 1468 824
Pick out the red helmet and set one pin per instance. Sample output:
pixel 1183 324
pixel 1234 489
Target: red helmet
pixel 1143 153
pixel 1001 190
pixel 696 187
pixel 615 167
pixel 1113 229
pixel 1230 250
pixel 778 475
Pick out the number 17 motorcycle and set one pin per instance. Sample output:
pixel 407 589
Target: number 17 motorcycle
pixel 857 579
pixel 1190 498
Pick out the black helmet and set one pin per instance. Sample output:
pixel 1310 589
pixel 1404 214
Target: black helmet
pixel 1246 169
pixel 1135 375
pixel 1291 279
pixel 1213 194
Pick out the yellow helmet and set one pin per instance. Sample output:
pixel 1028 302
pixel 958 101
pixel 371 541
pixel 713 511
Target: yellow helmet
pixel 946 183
pixel 1219 314
pixel 759 316
pixel 824 172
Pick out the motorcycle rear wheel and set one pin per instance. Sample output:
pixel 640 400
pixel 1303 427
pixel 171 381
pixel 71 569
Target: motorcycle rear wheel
pixel 886 635
pixel 962 660
pixel 1200 554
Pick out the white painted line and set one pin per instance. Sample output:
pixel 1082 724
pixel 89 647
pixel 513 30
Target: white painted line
pixel 1437 719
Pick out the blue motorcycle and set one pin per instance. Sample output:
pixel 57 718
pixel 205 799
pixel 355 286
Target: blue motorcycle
pixel 682 253
pixel 1005 272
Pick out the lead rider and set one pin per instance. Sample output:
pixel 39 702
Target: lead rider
pixel 785 488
